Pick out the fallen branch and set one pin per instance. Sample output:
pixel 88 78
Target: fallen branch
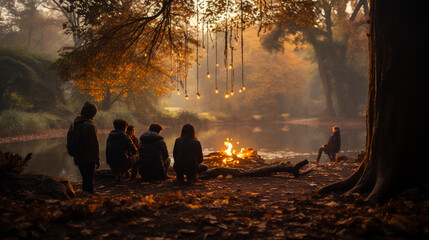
pixel 257 172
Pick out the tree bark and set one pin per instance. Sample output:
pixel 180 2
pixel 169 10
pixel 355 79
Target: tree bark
pixel 398 103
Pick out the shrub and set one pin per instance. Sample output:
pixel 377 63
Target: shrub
pixel 17 122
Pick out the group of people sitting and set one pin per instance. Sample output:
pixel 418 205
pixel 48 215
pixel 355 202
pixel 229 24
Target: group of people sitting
pixel 128 156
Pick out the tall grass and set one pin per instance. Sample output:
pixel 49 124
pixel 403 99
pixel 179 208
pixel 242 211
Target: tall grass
pixel 13 122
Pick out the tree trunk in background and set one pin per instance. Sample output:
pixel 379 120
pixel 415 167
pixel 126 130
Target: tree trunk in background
pixel 327 88
pixel 398 103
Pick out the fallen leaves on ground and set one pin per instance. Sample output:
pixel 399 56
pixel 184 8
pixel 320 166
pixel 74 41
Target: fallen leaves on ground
pixel 277 207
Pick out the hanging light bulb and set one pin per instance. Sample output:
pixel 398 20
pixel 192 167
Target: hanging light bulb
pixel 216 90
pixel 241 90
pixel 186 96
pixel 198 95
pixel 226 95
pixel 217 64
pixel 244 88
pixel 178 92
pixel 208 75
pixel 232 93
pixel 230 66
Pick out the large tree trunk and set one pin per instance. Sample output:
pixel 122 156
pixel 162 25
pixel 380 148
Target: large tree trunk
pixel 398 103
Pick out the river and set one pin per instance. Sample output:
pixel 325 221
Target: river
pixel 273 141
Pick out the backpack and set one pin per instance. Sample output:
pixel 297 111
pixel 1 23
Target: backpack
pixel 75 141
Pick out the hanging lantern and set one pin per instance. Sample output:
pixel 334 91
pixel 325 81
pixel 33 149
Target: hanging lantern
pixel 198 95
pixel 178 92
pixel 232 93
pixel 226 95
pixel 208 75
pixel 186 96
pixel 216 90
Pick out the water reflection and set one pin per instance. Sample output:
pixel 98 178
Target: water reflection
pixel 272 141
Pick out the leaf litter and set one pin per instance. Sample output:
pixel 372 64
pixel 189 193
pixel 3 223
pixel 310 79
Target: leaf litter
pixel 277 207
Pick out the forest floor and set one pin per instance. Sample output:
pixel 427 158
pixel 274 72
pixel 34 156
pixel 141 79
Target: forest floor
pixel 276 207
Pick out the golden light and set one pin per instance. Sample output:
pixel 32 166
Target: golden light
pixel 232 93
pixel 230 66
pixel 226 95
pixel 217 64
pixel 228 145
pixel 244 88
pixel 208 75
pixel 198 95
pixel 216 90
pixel 230 158
pixel 178 92
pixel 241 90
pixel 186 96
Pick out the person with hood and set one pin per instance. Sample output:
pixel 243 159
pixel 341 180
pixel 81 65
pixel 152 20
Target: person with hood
pixel 119 149
pixel 89 159
pixel 153 155
pixel 333 146
pixel 188 155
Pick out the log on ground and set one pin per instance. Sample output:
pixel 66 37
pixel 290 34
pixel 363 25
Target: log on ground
pixel 257 172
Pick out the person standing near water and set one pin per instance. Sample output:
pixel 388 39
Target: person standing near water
pixel 82 141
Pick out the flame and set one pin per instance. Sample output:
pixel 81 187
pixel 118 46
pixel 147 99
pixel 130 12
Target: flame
pixel 228 145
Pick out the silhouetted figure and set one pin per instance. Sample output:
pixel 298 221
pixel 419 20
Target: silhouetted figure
pixel 333 146
pixel 153 154
pixel 82 139
pixel 131 133
pixel 120 149
pixel 188 155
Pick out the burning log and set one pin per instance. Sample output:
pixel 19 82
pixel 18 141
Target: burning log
pixel 245 158
pixel 256 172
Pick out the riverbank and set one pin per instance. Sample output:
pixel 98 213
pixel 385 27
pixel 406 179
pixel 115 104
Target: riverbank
pixel 61 133
pixel 277 207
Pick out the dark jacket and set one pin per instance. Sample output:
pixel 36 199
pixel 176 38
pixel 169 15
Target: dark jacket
pixel 91 153
pixel 152 153
pixel 118 147
pixel 187 155
pixel 334 142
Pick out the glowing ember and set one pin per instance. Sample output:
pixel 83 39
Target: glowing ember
pixel 246 158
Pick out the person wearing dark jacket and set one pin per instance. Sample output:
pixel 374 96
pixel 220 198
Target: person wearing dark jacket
pixel 119 149
pixel 90 158
pixel 188 155
pixel 153 155
pixel 333 146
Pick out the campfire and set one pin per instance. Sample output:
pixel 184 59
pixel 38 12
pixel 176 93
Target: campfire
pixel 245 158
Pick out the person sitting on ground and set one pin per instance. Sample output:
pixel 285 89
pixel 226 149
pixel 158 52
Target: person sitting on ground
pixel 119 148
pixel 333 146
pixel 153 155
pixel 131 133
pixel 188 155
pixel 89 158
